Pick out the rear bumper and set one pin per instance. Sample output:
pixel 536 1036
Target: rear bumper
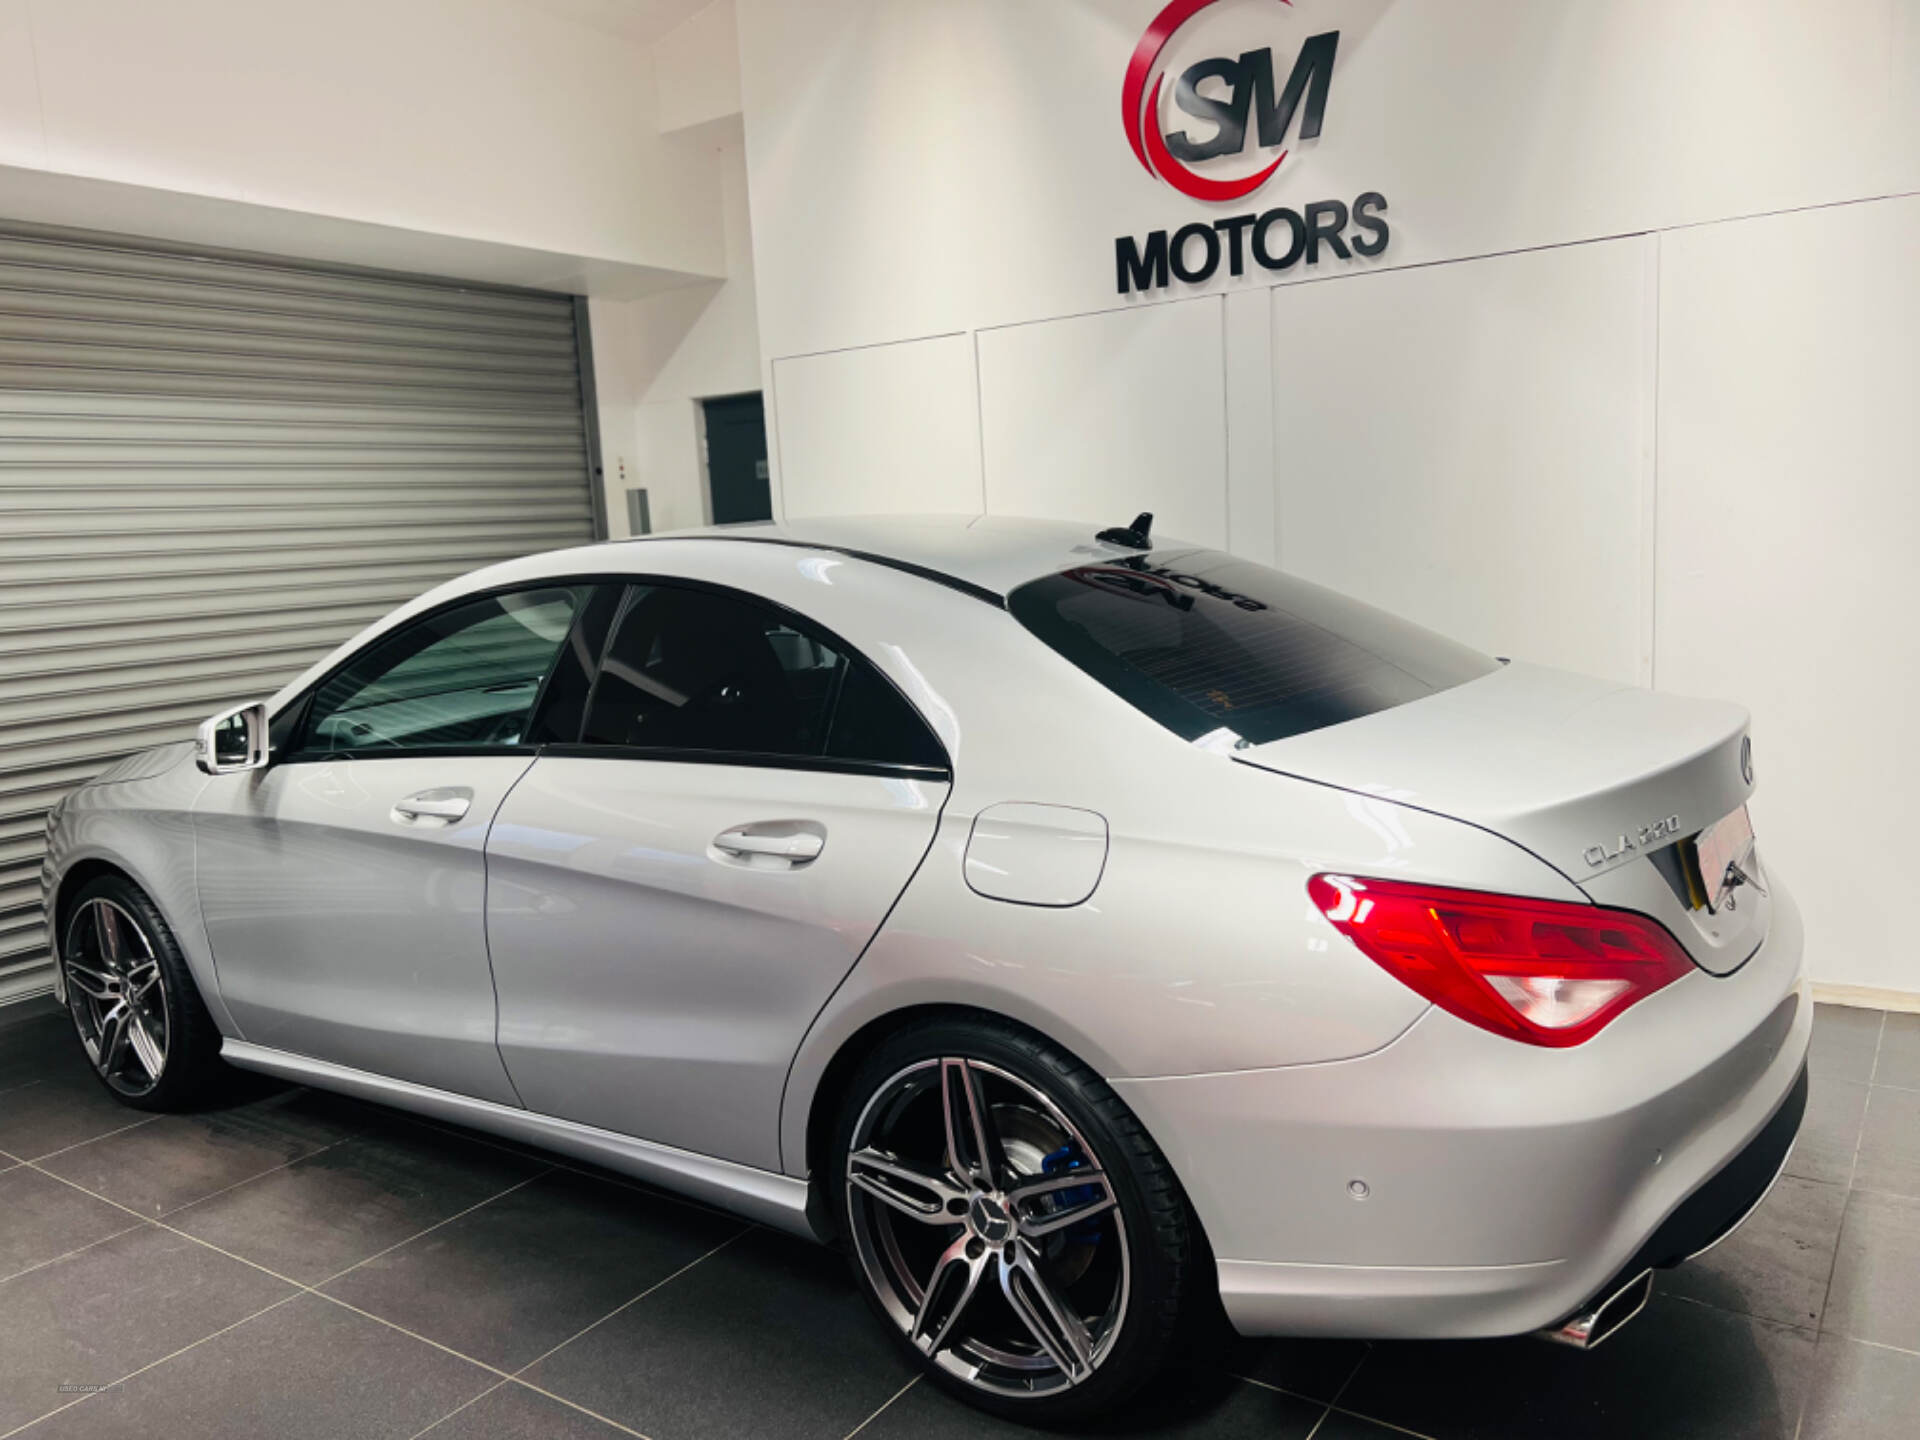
pixel 1721 1206
pixel 1500 1186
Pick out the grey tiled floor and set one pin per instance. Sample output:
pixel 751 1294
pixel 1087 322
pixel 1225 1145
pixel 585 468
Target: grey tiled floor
pixel 296 1265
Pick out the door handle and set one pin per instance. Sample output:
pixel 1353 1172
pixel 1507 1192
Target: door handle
pixel 446 804
pixel 785 843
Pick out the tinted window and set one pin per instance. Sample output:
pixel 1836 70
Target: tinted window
pixel 465 676
pixel 873 721
pixel 701 670
pixel 563 705
pixel 284 729
pixel 1202 641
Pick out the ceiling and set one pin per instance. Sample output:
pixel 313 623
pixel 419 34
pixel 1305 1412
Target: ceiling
pixel 640 20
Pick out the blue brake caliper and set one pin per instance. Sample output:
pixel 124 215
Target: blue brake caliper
pixel 1065 1161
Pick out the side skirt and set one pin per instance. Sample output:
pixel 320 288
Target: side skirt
pixel 779 1201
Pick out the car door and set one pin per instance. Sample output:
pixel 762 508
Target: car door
pixel 671 900
pixel 343 886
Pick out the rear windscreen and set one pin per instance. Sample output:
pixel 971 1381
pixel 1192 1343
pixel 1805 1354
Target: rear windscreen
pixel 1202 642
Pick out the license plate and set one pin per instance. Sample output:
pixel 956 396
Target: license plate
pixel 1719 849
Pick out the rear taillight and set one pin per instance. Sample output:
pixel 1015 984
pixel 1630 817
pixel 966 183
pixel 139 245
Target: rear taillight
pixel 1542 971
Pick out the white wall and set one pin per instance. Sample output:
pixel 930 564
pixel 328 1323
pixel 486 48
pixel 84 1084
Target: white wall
pixel 913 446
pixel 1451 437
pixel 1596 395
pixel 926 166
pixel 1789 526
pixel 656 358
pixel 1103 413
pixel 696 70
pixel 335 130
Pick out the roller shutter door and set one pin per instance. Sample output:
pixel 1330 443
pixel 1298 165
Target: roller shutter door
pixel 214 468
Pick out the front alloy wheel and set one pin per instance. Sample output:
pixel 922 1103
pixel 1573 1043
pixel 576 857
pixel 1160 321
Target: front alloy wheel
pixel 132 998
pixel 993 1230
pixel 117 995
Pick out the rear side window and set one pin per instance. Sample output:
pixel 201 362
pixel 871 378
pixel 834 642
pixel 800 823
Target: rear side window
pixel 708 672
pixel 871 721
pixel 1202 641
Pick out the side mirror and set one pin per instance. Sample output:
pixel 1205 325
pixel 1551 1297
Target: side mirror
pixel 232 741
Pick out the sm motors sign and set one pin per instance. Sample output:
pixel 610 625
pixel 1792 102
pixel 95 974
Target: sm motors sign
pixel 1217 128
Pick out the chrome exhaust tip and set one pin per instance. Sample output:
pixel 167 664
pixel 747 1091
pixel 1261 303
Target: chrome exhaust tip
pixel 1588 1328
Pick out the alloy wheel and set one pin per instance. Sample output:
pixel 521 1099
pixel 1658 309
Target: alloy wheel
pixel 988 1228
pixel 117 996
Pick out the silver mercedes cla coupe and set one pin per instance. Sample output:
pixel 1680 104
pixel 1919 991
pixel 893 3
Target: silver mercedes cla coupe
pixel 1087 931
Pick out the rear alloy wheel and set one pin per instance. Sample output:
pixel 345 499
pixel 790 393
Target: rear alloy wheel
pixel 132 1000
pixel 1011 1221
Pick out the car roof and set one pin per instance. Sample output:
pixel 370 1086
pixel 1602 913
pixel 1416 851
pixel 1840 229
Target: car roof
pixel 986 555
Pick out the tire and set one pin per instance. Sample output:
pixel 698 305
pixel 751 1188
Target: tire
pixel 117 957
pixel 1010 1268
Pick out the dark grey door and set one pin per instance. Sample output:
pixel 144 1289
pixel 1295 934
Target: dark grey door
pixel 737 459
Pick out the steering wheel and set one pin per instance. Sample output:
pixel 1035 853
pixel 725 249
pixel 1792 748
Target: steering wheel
pixel 358 735
pixel 504 730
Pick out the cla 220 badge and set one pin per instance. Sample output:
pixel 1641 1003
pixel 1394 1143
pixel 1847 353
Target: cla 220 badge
pixel 1663 829
pixel 1248 101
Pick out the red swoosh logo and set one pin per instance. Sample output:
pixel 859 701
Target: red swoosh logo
pixel 1141 113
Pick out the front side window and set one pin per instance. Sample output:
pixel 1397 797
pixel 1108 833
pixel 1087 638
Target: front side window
pixel 463 677
pixel 708 672
pixel 1202 641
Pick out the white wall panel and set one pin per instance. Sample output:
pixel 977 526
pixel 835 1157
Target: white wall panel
pixel 1469 446
pixel 1097 417
pixel 887 430
pixel 1789 523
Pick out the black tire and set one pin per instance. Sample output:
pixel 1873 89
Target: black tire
pixel 1151 1226
pixel 190 1046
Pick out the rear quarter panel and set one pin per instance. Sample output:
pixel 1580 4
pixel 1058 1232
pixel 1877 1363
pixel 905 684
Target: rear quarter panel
pixel 1199 950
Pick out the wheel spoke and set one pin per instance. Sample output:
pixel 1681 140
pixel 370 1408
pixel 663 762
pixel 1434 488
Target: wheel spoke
pixel 90 981
pixel 956 1275
pixel 106 934
pixel 1066 1207
pixel 152 1058
pixel 142 977
pixel 113 1037
pixel 973 1144
pixel 1053 1325
pixel 912 1191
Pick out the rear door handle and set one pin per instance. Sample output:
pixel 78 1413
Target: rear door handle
pixel 445 803
pixel 779 842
